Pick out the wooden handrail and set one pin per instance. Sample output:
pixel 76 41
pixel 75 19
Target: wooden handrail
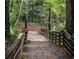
pixel 55 36
pixel 68 42
pixel 15 48
pixel 61 38
pixel 20 47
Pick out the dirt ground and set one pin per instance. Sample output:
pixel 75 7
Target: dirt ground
pixel 34 27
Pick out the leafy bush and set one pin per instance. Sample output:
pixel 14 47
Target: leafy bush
pixel 14 33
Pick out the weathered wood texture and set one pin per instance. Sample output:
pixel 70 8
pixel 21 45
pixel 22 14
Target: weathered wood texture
pixel 68 42
pixel 54 36
pixel 60 38
pixel 15 50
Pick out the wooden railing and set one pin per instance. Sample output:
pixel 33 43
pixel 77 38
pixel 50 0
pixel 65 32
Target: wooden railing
pixel 54 36
pixel 68 42
pixel 15 50
pixel 60 38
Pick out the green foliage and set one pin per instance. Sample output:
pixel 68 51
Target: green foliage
pixel 58 8
pixel 14 33
pixel 37 11
pixel 13 13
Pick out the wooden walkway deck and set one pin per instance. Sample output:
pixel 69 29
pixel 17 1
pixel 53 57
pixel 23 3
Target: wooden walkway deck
pixel 41 48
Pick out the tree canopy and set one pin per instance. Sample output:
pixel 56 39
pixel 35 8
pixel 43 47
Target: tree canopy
pixel 37 11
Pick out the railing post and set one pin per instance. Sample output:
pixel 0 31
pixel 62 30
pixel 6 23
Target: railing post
pixel 54 38
pixel 25 30
pixel 25 36
pixel 59 38
pixel 63 38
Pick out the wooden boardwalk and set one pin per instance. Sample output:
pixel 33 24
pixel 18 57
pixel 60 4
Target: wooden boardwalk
pixel 41 48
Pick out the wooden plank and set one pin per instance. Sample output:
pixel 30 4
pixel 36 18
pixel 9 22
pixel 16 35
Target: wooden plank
pixel 68 44
pixel 68 49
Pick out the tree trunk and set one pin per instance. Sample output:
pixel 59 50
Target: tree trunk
pixel 7 24
pixel 70 17
pixel 32 11
pixel 49 19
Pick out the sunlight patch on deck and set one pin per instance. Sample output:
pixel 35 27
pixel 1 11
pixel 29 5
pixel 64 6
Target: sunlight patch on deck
pixel 35 36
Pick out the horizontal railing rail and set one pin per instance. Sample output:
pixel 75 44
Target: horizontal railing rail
pixel 15 50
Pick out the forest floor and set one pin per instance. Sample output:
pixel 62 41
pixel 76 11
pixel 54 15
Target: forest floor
pixel 41 48
pixel 35 27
